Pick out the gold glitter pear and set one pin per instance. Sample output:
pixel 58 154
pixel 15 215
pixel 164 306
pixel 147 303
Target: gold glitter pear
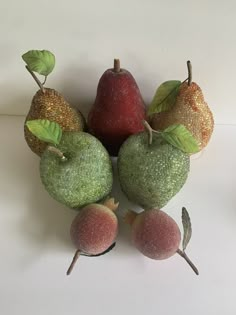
pixel 192 111
pixel 51 105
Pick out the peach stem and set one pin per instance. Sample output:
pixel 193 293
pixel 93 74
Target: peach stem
pixel 110 203
pixel 130 217
pixel 184 255
pixel 74 260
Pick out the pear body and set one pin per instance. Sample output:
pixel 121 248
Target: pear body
pixel 118 110
pixel 191 110
pixel 51 105
pixel 150 175
pixel 85 177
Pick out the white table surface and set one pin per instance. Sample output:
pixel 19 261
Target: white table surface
pixel 36 249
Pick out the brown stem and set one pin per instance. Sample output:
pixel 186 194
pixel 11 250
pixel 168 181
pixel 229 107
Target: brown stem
pixel 130 216
pixel 184 255
pixel 57 151
pixel 36 79
pixel 111 204
pixel 189 72
pixel 116 65
pixel 45 79
pixel 149 130
pixel 74 260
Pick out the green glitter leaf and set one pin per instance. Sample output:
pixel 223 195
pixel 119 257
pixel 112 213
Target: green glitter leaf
pixel 40 61
pixel 187 228
pixel 181 138
pixel 164 97
pixel 45 130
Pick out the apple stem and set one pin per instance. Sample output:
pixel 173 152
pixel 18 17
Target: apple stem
pixel 74 260
pixel 117 65
pixel 184 255
pixel 149 130
pixel 189 72
pixel 36 79
pixel 57 151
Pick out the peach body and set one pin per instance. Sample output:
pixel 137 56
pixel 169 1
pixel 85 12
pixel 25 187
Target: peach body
pixel 94 229
pixel 155 234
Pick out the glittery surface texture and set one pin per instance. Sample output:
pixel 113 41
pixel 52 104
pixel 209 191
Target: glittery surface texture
pixel 156 234
pixel 52 106
pixel 190 110
pixel 84 178
pixel 118 110
pixel 94 229
pixel 150 175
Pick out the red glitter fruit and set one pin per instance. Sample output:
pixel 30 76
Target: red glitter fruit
pixel 94 229
pixel 118 110
pixel 156 234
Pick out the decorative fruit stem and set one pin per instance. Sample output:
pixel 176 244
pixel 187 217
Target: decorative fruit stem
pixel 74 260
pixel 150 131
pixel 36 79
pixel 184 255
pixel 189 72
pixel 116 65
pixel 110 203
pixel 45 79
pixel 57 151
pixel 130 216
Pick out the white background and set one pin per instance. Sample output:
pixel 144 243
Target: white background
pixel 153 39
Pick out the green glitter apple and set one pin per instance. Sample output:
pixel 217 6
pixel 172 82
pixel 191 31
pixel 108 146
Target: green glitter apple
pixel 153 166
pixel 75 168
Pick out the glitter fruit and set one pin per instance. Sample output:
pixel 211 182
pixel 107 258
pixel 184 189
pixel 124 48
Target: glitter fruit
pixel 48 103
pixel 94 229
pixel 83 177
pixel 151 174
pixel 190 110
pixel 157 236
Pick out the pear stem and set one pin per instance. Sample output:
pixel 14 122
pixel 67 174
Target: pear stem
pixel 189 72
pixel 116 65
pixel 184 255
pixel 57 151
pixel 36 79
pixel 74 260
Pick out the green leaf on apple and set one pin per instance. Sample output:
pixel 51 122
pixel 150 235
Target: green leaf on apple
pixel 179 136
pixel 164 97
pixel 40 61
pixel 45 130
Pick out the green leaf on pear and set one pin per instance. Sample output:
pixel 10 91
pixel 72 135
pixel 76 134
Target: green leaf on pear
pixel 45 130
pixel 179 136
pixel 187 228
pixel 40 61
pixel 165 97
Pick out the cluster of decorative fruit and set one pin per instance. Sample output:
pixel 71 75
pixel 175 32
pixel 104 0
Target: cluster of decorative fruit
pixel 153 148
